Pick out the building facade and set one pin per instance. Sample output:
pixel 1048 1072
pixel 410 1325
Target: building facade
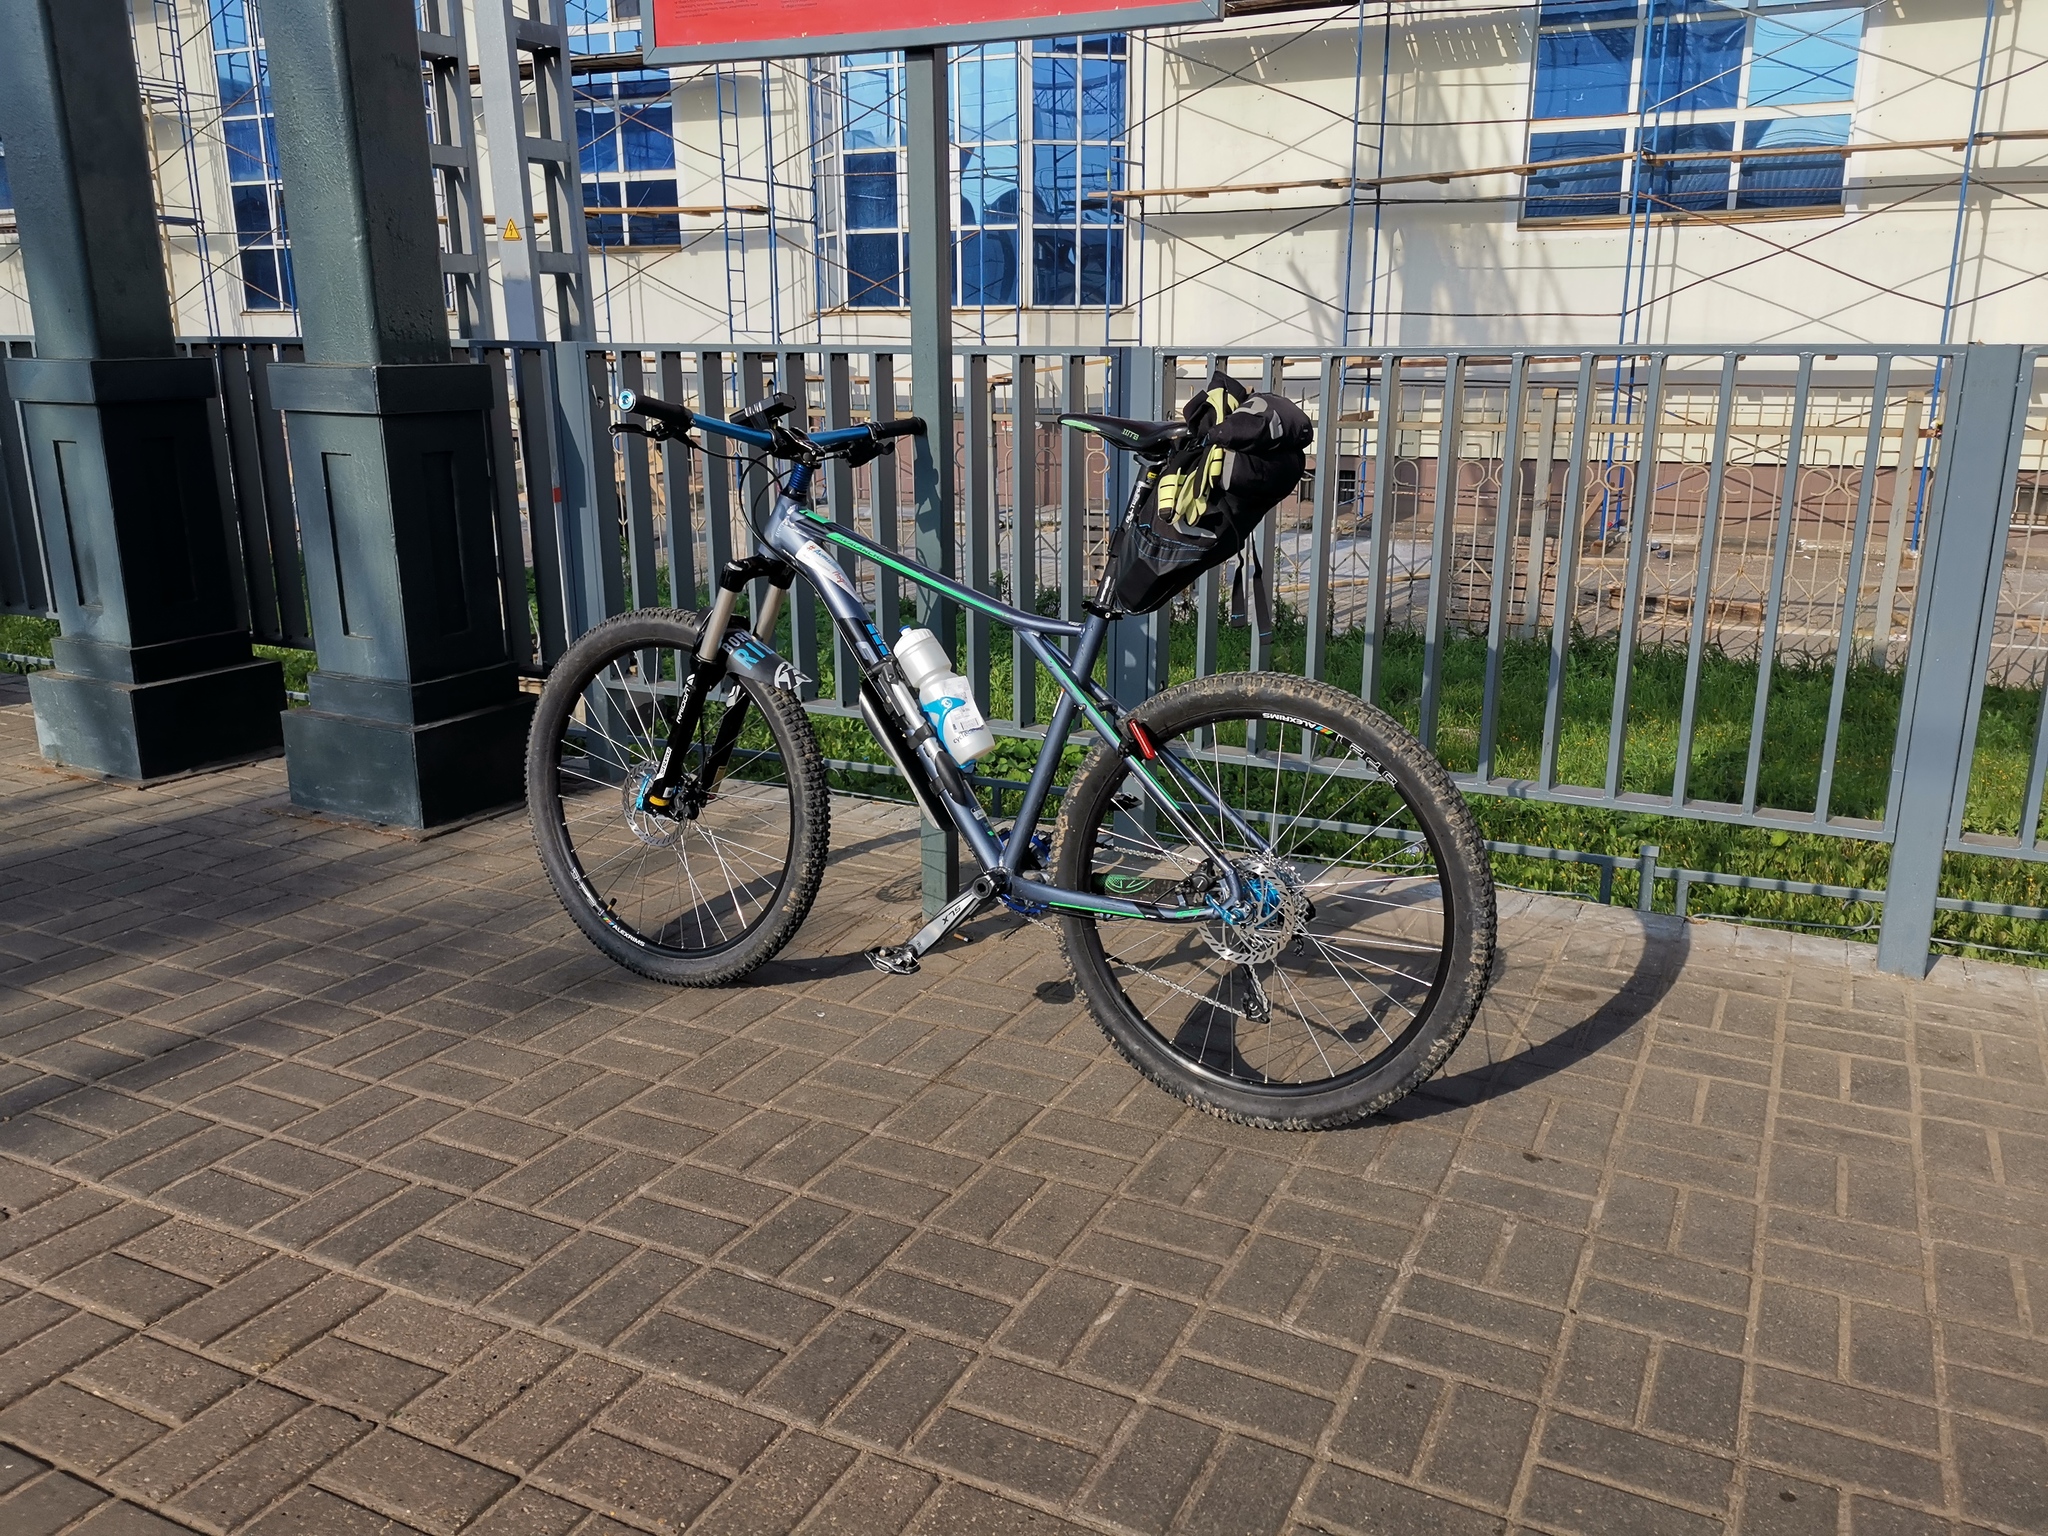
pixel 1574 172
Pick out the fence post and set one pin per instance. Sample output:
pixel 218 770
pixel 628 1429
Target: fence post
pixel 1137 646
pixel 1646 877
pixel 1960 563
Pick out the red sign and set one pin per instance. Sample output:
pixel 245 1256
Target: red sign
pixel 701 31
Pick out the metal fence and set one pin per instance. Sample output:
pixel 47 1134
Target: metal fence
pixel 1779 588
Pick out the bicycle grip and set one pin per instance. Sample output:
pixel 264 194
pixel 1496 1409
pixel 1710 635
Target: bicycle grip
pixel 908 426
pixel 677 418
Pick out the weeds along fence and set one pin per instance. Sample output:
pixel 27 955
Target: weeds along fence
pixel 1787 592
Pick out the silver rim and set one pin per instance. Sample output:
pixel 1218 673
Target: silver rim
pixel 682 887
pixel 1344 954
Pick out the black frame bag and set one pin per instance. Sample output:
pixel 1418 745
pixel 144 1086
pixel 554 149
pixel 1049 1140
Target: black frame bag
pixel 1201 504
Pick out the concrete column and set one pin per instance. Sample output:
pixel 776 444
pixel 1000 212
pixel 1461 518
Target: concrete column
pixel 154 673
pixel 416 717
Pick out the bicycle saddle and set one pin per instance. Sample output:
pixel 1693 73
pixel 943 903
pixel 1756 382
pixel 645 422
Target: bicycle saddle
pixel 1145 438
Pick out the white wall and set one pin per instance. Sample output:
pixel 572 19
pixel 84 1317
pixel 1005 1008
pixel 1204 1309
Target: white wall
pixel 1277 100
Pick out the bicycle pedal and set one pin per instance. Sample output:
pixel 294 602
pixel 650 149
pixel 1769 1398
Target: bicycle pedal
pixel 892 959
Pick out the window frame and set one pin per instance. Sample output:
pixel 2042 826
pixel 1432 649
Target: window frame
pixel 1019 235
pixel 1644 123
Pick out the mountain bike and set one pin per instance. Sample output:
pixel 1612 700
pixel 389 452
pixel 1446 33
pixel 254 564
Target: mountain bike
pixel 1272 897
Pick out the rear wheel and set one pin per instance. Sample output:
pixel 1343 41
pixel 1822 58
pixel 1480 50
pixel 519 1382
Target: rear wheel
pixel 693 899
pixel 1361 953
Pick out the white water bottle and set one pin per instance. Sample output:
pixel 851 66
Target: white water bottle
pixel 947 701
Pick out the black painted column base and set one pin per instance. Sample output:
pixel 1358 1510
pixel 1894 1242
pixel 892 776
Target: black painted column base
pixel 147 712
pixel 413 756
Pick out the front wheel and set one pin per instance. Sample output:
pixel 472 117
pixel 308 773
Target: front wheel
pixel 1362 948
pixel 697 898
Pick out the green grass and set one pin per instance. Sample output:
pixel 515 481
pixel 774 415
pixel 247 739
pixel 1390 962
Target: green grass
pixel 25 636
pixel 1788 763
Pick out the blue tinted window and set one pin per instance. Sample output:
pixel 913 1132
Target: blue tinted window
pixel 1102 98
pixel 1052 266
pixel 874 111
pixel 1687 184
pixel 646 139
pixel 871 191
pixel 655 228
pixel 237 83
pixel 603 228
pixel 267 280
pixel 1052 182
pixel 1052 98
pixel 1583 74
pixel 874 271
pixel 597 133
pixel 252 214
pixel 1693 66
pixel 1578 190
pixel 230 27
pixel 6 191
pixel 245 149
pixel 988 266
pixel 1554 11
pixel 1793 181
pixel 1805 58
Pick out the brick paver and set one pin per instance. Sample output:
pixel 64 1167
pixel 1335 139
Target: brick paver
pixel 345 1188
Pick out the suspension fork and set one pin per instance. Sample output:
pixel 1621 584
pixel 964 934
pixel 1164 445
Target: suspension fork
pixel 706 670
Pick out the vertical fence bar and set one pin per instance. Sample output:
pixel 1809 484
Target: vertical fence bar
pixel 639 492
pixel 1566 592
pixel 978 508
pixel 1450 429
pixel 839 486
pixel 505 503
pixel 1539 516
pixel 1505 512
pixel 1209 587
pixel 245 462
pixel 1852 593
pixel 1323 516
pixel 1898 517
pixel 793 374
pixel 1379 541
pixel 1272 372
pixel 1023 527
pixel 718 477
pixel 1964 549
pixel 1767 645
pixel 1640 516
pixel 532 375
pixel 882 489
pixel 294 620
pixel 1703 581
pixel 757 480
pixel 681 540
pixel 1073 566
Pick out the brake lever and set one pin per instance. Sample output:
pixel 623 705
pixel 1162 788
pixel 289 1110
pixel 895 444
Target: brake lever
pixel 657 433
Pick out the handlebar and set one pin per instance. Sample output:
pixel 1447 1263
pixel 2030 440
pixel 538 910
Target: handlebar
pixel 753 425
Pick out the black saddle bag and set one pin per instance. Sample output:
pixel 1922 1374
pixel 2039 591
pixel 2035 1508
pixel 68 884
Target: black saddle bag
pixel 1201 505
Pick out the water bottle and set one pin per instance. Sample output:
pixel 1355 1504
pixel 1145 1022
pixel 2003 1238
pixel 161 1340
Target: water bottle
pixel 947 701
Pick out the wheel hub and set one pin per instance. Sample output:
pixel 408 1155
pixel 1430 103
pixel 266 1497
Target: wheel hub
pixel 1274 912
pixel 651 827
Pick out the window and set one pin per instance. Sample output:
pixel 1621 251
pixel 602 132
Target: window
pixel 6 192
pixel 1692 79
pixel 625 126
pixel 1038 136
pixel 249 127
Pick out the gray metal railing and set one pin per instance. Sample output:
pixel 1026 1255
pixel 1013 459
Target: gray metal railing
pixel 1783 588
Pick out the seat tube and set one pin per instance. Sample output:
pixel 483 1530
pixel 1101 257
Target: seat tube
pixel 1086 649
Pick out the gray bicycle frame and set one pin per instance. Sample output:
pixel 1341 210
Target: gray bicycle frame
pixel 799 535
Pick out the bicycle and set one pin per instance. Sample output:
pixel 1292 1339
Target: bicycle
pixel 1272 897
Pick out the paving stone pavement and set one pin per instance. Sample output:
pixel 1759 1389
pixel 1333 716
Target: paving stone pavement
pixel 346 1189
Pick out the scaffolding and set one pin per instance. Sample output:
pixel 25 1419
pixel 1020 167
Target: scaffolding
pixel 174 146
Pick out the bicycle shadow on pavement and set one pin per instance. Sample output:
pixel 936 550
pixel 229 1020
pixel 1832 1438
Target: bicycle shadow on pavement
pixel 1666 945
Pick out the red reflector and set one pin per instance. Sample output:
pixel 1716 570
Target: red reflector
pixel 1142 739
